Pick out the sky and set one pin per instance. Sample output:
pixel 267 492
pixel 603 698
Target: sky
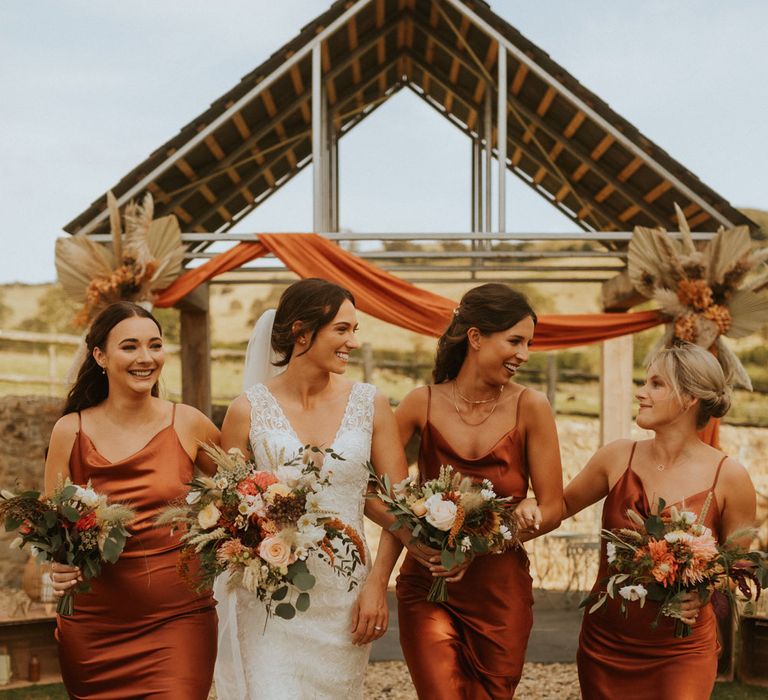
pixel 89 88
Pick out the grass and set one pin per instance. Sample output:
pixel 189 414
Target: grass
pixel 53 691
pixel 738 691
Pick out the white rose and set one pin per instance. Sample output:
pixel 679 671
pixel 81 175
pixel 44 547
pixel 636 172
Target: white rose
pixel 441 514
pixel 637 592
pixel 193 497
pixel 288 474
pixel 488 494
pixel 208 516
pixel 611 550
pixel 88 497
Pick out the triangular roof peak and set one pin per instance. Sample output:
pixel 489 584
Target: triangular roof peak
pixel 562 140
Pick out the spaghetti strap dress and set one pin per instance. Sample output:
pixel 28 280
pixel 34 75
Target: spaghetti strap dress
pixel 140 632
pixel 622 657
pixel 471 647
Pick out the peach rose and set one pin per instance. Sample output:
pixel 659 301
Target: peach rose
pixel 275 551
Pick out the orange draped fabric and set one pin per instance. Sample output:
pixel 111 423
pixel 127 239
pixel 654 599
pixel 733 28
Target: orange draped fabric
pixel 392 299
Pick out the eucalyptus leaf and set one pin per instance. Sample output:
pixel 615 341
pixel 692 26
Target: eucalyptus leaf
pixel 280 593
pixel 302 602
pixel 303 581
pixel 286 611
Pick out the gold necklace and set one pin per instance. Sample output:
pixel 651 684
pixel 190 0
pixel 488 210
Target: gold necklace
pixel 660 467
pixel 464 420
pixel 479 401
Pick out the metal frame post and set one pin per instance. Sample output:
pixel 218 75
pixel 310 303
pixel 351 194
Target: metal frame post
pixel 501 139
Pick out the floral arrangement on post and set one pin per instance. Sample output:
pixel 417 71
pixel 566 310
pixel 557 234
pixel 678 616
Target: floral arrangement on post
pixel 75 526
pixel 260 526
pixel 452 513
pixel 146 255
pixel 665 556
pixel 707 293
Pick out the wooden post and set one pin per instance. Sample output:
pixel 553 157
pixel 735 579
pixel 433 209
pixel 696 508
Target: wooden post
pixel 196 349
pixel 616 389
pixel 368 365
pixel 551 378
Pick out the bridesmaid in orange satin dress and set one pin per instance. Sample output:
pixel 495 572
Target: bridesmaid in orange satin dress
pixel 625 657
pixel 141 632
pixel 476 418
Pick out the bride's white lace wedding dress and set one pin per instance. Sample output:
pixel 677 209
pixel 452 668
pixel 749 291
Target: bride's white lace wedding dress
pixel 312 655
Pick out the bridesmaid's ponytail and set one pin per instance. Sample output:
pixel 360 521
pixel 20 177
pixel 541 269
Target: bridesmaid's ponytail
pixel 490 308
pixel 91 386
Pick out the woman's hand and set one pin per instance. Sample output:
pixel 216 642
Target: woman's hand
pixel 64 578
pixel 425 555
pixel 689 605
pixel 370 614
pixel 528 515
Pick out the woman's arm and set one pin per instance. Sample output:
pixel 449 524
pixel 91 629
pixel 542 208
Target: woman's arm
pixel 739 501
pixel 195 429
pixel 63 577
pixel 237 425
pixel 371 616
pixel 59 451
pixel 543 458
pixel 593 482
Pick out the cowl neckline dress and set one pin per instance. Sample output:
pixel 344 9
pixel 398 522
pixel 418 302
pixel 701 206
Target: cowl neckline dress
pixel 471 647
pixel 622 657
pixel 141 632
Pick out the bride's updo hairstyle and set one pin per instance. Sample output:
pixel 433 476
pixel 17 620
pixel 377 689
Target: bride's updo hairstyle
pixel 694 372
pixel 490 308
pixel 91 386
pixel 312 302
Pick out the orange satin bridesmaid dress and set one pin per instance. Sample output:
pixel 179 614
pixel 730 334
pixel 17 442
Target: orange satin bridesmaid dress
pixel 140 632
pixel 626 658
pixel 473 646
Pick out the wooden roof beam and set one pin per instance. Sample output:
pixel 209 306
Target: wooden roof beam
pixel 466 101
pixel 287 152
pixel 588 159
pixel 227 198
pixel 245 147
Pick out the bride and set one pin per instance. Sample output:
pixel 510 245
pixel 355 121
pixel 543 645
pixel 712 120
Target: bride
pixel 323 652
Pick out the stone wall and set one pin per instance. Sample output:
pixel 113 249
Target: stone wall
pixel 25 427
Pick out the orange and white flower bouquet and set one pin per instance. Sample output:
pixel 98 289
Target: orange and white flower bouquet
pixel 76 526
pixel 260 526
pixel 460 517
pixel 668 555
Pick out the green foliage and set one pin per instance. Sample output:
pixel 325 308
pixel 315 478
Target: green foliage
pixel 259 306
pixel 170 321
pixel 55 313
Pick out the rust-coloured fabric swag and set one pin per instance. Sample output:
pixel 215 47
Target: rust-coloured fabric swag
pixel 392 299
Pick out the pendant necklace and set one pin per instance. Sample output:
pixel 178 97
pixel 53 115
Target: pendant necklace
pixel 490 413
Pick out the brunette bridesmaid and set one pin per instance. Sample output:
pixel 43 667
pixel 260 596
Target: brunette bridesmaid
pixel 141 632
pixel 627 658
pixel 478 419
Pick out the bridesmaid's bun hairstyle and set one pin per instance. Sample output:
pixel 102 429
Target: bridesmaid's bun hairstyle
pixel 694 372
pixel 490 308
pixel 313 303
pixel 92 386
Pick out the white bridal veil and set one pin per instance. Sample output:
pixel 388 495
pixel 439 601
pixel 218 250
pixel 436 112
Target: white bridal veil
pixel 230 672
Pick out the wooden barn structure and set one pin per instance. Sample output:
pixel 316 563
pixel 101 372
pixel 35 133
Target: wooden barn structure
pixel 523 114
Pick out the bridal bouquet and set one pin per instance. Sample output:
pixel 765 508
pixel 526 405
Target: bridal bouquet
pixel 666 556
pixel 75 526
pixel 261 525
pixel 452 513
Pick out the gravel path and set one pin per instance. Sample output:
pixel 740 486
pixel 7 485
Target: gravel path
pixel 389 680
